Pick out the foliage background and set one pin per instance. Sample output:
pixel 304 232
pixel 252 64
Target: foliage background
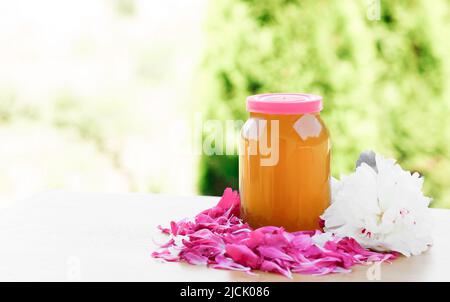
pixel 385 83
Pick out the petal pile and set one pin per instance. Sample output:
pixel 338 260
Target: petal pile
pixel 218 238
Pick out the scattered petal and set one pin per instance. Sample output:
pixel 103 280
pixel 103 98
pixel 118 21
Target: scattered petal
pixel 242 255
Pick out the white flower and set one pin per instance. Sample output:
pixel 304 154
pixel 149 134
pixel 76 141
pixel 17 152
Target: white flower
pixel 381 206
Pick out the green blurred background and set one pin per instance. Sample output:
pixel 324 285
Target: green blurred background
pixel 385 78
pixel 90 89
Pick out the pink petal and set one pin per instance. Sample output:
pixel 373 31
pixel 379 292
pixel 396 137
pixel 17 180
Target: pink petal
pixel 165 255
pixel 230 201
pixel 203 218
pixel 193 258
pixel 273 253
pixel 163 230
pixel 269 266
pixel 301 242
pixel 171 242
pixel 223 262
pixel 242 255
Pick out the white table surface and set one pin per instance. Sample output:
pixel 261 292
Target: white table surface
pixel 60 236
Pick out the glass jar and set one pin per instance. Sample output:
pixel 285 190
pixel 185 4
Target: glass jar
pixel 284 163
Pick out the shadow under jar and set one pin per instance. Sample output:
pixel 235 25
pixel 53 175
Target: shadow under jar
pixel 284 163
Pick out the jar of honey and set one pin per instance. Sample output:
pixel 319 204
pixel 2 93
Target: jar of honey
pixel 284 162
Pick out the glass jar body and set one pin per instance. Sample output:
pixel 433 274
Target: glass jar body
pixel 284 170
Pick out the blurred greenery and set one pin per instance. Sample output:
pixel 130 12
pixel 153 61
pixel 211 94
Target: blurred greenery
pixel 385 82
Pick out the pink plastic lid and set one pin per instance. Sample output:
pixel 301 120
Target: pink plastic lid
pixel 284 103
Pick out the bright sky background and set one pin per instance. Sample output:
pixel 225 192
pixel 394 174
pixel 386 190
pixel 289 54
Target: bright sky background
pixel 122 68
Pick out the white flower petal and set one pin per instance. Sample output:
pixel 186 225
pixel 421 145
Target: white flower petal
pixel 384 210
